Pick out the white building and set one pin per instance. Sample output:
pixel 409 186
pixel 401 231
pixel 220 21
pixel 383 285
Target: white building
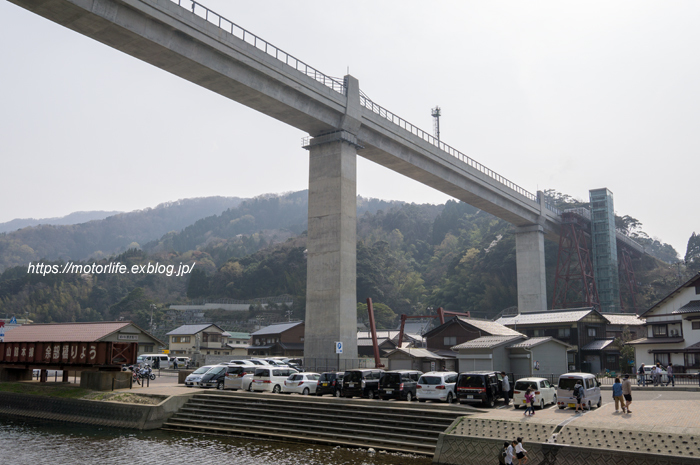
pixel 673 330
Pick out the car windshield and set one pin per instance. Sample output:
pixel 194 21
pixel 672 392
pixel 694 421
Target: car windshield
pixel 568 384
pixel 430 380
pixel 388 378
pixel 471 381
pixel 201 370
pixel 216 370
pixel 262 372
pixel 523 385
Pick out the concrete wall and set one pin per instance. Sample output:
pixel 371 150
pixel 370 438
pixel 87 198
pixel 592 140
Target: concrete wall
pixel 103 380
pixel 113 414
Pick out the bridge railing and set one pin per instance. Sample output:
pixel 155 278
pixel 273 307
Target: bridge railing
pixel 416 131
pixel 234 29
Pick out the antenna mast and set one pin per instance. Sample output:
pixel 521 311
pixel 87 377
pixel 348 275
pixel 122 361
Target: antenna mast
pixel 436 114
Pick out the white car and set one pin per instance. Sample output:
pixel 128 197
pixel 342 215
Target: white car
pixel 270 379
pixel 545 393
pixel 240 377
pixel 301 383
pixel 196 376
pixel 437 385
pixel 650 376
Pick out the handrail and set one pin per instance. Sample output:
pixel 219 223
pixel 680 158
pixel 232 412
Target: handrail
pixel 416 131
pixel 339 86
pixel 234 29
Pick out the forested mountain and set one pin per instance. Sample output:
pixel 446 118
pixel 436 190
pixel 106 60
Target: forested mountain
pixel 73 218
pixel 102 238
pixel 409 257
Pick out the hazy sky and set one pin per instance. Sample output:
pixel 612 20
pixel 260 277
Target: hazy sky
pixel 558 95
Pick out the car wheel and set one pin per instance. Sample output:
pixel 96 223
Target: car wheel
pixel 554 399
pixel 600 402
pixel 541 404
pixel 516 406
pixel 409 396
pixel 250 387
pixel 305 392
pixel 370 394
pixel 450 398
pixel 589 406
pixel 338 394
pixel 276 389
pixel 220 385
pixel 490 402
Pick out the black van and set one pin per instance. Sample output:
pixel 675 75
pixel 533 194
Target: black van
pixel 399 384
pixel 330 383
pixel 361 382
pixel 480 387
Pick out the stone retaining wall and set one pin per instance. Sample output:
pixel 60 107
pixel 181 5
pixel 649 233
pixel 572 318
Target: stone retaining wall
pixel 91 412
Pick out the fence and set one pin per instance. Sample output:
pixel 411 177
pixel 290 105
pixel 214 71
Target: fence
pixel 683 379
pixel 320 365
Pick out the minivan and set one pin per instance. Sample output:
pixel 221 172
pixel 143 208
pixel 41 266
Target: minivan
pixel 330 383
pixel 361 382
pixel 565 390
pixel 483 387
pixel 149 359
pixel 398 384
pixel 239 377
pixel 270 379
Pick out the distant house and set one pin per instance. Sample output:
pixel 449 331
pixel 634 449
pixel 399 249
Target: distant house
pixel 204 338
pixel 673 330
pixel 619 322
pixel 419 359
pixel 459 330
pixel 237 342
pixel 580 328
pixel 280 339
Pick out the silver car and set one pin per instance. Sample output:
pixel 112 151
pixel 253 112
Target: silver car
pixel 196 376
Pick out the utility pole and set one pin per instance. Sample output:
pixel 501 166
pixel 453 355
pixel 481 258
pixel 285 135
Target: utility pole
pixel 436 115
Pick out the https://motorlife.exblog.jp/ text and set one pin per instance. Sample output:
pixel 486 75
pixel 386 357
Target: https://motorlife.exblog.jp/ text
pixel 110 268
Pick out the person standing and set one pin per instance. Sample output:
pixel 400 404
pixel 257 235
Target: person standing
pixel 504 453
pixel 627 392
pixel 669 373
pixel 618 397
pixel 657 374
pixel 529 399
pixel 578 394
pixel 505 385
pixel 642 376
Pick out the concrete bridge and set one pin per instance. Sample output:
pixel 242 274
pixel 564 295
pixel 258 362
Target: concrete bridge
pixel 190 41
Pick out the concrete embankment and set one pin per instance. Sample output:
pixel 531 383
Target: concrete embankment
pixel 655 433
pixel 92 412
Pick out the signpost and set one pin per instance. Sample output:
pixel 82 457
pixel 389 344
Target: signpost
pixel 339 350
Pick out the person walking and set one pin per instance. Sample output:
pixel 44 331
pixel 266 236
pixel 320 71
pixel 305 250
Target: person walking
pixel 618 397
pixel 671 377
pixel 505 385
pixel 657 374
pixel 529 400
pixel 504 452
pixel 627 392
pixel 510 453
pixel 520 452
pixel 642 376
pixel 578 394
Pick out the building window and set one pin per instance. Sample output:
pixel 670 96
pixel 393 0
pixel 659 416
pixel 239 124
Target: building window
pixel 450 340
pixel 611 359
pixel 180 339
pixel 538 332
pixel 564 332
pixel 697 289
pixel 692 360
pixel 663 359
pixel 592 332
pixel 696 324
pixel 659 330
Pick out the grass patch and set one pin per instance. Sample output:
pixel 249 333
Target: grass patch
pixel 66 391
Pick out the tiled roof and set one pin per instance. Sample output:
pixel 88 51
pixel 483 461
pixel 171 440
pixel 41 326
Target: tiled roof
pixel 598 344
pixel 238 335
pixel 366 342
pixel 657 340
pixel 382 333
pixel 535 341
pixel 276 328
pixel 691 307
pixel 491 327
pixel 550 316
pixel 693 281
pixel 64 332
pixel 624 319
pixel 189 330
pixel 292 345
pixel 418 353
pixel 488 342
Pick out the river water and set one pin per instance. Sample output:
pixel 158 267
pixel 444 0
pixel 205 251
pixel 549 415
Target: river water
pixel 32 442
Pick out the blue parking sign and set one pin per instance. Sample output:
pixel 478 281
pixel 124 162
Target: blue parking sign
pixel 339 347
